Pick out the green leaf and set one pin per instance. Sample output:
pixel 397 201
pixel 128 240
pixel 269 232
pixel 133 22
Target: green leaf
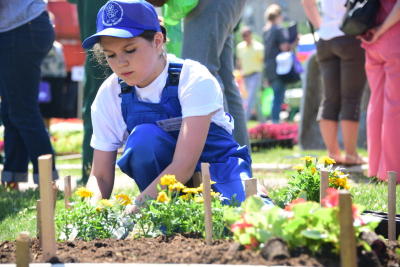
pixel 245 239
pixel 313 234
pixel 253 204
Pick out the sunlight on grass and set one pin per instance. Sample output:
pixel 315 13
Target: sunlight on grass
pixel 289 156
pixel 373 196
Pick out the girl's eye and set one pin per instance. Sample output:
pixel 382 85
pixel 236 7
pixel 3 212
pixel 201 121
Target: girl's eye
pixel 131 51
pixel 110 56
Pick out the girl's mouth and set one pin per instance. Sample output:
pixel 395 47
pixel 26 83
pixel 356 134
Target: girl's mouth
pixel 126 74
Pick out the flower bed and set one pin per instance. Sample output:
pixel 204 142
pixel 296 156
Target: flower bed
pixel 170 229
pixel 269 135
pixel 177 249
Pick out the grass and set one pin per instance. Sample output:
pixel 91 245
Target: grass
pixel 289 156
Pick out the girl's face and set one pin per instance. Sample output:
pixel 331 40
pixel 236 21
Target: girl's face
pixel 135 60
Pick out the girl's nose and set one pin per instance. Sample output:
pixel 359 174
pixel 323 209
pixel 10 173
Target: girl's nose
pixel 122 60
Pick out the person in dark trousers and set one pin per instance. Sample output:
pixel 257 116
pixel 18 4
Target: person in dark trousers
pixel 95 74
pixel 26 36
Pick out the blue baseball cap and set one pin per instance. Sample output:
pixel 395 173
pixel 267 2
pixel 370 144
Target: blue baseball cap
pixel 124 19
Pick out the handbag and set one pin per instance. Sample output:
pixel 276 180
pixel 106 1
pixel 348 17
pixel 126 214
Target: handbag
pixel 288 68
pixel 359 16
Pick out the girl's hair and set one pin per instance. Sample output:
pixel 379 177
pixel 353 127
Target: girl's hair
pixel 272 12
pixel 148 35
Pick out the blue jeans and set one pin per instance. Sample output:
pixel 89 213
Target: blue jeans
pixel 279 95
pixel 25 137
pixel 253 85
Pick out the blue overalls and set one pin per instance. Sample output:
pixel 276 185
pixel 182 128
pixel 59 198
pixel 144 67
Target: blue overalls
pixel 149 149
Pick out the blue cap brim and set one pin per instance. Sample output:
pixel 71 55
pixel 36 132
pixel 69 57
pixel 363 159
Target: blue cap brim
pixel 114 32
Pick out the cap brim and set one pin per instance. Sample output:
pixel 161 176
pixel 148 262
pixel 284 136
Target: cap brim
pixel 114 32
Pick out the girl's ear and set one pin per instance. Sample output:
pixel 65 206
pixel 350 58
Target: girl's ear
pixel 159 40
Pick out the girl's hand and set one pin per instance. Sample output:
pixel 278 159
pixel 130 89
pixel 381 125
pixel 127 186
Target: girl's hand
pixel 131 209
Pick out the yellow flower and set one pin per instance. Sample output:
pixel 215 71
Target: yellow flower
pixel 189 190
pixel 298 168
pixel 215 194
pixel 168 179
pixel 185 197
pixel 338 174
pixel 98 209
pixel 198 199
pixel 84 192
pixel 105 203
pixel 313 170
pixel 176 187
pixel 123 199
pixel 307 158
pixel 200 188
pixel 162 197
pixel 327 160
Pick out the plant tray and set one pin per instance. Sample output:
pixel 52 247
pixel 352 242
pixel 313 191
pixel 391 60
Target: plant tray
pixel 257 145
pixel 382 228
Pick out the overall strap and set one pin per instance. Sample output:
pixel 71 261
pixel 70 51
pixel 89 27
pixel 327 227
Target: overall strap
pixel 169 96
pixel 171 86
pixel 125 88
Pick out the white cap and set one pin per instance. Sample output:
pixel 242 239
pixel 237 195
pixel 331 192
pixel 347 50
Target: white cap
pixel 284 62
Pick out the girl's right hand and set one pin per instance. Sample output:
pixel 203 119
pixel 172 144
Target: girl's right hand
pixel 131 209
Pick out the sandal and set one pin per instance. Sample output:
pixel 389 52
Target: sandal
pixel 353 160
pixel 338 160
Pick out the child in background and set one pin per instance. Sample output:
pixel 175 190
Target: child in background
pixel 167 112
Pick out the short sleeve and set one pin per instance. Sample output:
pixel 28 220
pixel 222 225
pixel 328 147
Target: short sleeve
pixel 199 92
pixel 109 128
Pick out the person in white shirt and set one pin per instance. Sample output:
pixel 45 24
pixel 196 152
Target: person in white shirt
pixel 341 60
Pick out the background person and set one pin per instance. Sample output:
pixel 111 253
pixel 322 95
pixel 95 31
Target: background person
pixel 275 41
pixel 250 58
pixel 167 112
pixel 341 61
pixel 383 72
pixel 214 49
pixel 26 36
pixel 53 73
pixel 95 74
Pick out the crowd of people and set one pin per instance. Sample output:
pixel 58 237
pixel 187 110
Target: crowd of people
pixel 192 106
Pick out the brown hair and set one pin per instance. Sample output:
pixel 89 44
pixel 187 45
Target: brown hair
pixel 273 11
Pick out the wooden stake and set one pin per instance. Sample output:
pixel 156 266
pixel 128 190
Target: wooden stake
pixel 324 184
pixel 67 191
pixel 38 223
pixel 348 256
pixel 250 186
pixel 392 178
pixel 47 207
pixel 23 254
pixel 205 170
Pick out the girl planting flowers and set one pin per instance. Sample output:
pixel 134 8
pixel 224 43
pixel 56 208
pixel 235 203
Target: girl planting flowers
pixel 167 112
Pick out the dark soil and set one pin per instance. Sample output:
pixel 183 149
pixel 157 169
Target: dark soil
pixel 177 249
